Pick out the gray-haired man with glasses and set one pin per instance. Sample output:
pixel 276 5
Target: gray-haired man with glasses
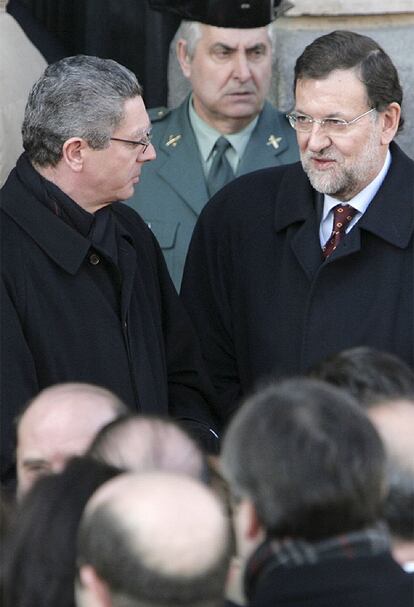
pixel 292 264
pixel 86 294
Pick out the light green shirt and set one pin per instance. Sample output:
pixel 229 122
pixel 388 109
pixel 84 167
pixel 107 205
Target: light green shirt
pixel 206 137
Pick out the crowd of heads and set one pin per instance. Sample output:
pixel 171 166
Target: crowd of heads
pixel 131 515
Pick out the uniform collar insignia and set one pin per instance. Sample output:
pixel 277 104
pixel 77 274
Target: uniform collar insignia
pixel 173 140
pixel 274 141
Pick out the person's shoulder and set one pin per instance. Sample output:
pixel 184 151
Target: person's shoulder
pixel 271 114
pixel 162 120
pixel 159 114
pixel 400 155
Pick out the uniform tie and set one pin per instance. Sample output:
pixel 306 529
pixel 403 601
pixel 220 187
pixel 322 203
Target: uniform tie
pixel 343 215
pixel 220 172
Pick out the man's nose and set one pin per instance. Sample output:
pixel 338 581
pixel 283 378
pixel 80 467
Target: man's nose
pixel 241 69
pixel 147 155
pixel 318 138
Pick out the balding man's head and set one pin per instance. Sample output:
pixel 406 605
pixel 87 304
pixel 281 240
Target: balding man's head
pixel 58 424
pixel 142 443
pixel 169 532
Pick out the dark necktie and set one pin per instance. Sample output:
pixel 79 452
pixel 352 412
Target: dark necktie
pixel 220 172
pixel 343 215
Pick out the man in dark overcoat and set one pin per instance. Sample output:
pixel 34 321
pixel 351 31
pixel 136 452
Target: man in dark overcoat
pixel 291 264
pixel 86 296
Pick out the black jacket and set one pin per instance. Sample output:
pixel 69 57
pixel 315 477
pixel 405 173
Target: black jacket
pixel 264 301
pixel 372 581
pixel 58 323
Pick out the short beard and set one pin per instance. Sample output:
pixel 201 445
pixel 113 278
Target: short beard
pixel 343 182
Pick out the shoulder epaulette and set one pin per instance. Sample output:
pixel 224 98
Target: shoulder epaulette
pixel 158 113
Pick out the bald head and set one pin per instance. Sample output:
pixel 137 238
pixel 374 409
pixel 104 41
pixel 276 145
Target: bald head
pixel 58 424
pixel 140 443
pixel 169 531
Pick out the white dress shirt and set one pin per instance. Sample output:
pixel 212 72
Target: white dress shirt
pixel 360 202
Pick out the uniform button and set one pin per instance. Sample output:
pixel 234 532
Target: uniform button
pixel 94 259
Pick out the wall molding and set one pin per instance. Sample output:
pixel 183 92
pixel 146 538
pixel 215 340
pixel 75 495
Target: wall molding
pixel 349 7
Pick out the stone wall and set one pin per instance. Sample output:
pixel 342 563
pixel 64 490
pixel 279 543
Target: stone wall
pixel 389 23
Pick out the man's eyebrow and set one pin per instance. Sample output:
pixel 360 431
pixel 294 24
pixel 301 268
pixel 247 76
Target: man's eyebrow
pixel 256 46
pixel 142 131
pixel 220 46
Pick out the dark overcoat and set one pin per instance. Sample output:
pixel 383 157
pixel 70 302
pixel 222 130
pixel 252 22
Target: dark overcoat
pixel 57 325
pixel 266 304
pixel 369 581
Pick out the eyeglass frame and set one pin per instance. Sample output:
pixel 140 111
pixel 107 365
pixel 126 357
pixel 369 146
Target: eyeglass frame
pixel 292 120
pixel 146 142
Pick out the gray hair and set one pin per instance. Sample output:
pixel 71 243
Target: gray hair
pixel 81 96
pixel 309 459
pixel 190 31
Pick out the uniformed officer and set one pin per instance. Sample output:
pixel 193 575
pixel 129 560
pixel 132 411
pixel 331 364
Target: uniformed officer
pixel 223 129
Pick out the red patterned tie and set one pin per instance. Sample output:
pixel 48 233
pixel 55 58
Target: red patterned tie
pixel 343 215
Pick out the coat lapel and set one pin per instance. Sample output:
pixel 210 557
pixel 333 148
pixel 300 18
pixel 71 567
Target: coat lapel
pixel 388 216
pixel 178 148
pixel 268 141
pixel 296 209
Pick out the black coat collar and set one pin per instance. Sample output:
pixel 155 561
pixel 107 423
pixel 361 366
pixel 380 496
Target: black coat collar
pixel 59 241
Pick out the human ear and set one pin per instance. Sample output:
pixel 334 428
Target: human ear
pixel 254 527
pixel 73 153
pixel 96 588
pixel 390 118
pixel 183 57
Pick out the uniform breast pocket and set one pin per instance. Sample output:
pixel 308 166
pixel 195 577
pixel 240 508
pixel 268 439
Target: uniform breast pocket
pixel 167 234
pixel 164 231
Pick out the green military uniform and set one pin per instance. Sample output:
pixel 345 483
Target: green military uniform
pixel 172 190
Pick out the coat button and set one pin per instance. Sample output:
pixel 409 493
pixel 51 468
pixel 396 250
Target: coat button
pixel 94 259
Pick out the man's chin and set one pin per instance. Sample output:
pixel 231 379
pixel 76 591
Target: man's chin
pixel 126 193
pixel 321 181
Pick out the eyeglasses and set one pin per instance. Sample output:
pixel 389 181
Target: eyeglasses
pixel 145 141
pixel 304 123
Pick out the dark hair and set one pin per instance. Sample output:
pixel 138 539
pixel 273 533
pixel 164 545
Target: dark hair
pixel 308 457
pixel 80 96
pixel 7 511
pixel 369 375
pixel 41 556
pixel 346 50
pixel 375 377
